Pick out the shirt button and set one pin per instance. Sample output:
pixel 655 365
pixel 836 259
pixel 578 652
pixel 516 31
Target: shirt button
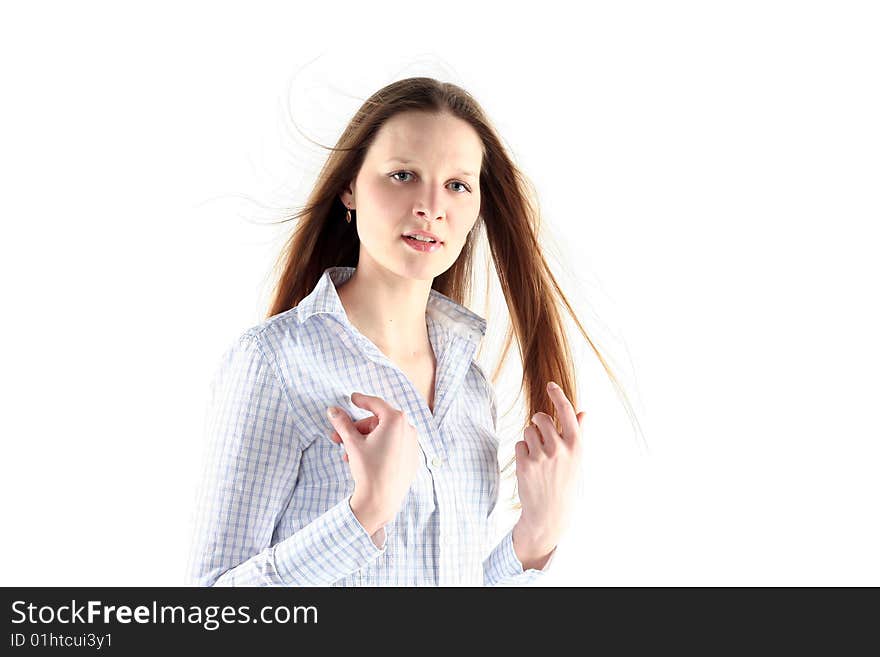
pixel 436 461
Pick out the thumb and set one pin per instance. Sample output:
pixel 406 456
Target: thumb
pixel 343 425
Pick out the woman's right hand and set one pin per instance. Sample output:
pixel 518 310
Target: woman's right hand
pixel 383 454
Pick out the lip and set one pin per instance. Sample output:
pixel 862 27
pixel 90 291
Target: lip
pixel 422 247
pixel 424 233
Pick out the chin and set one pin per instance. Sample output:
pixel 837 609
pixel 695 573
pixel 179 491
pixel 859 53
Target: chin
pixel 419 269
pixel 412 265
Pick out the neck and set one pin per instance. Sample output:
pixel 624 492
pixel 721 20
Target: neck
pixel 388 309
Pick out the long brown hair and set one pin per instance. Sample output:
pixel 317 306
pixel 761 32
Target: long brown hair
pixel 509 215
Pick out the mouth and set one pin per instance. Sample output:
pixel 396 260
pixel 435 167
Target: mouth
pixel 421 246
pixel 424 235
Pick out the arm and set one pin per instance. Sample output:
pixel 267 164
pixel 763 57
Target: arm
pixel 504 565
pixel 504 568
pixel 250 472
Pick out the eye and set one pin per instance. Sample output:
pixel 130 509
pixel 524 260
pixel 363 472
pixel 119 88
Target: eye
pixel 397 173
pixel 409 173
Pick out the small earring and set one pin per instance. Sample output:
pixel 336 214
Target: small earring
pixel 348 215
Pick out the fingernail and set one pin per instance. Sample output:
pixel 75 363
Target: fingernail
pixel 332 411
pixel 552 386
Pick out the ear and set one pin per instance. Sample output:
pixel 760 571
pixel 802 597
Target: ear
pixel 347 195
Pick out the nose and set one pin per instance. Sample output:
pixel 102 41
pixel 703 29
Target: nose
pixel 427 214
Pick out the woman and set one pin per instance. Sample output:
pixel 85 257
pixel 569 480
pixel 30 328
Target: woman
pixel 352 434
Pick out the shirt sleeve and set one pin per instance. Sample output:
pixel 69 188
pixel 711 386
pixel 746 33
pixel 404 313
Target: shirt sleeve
pixel 502 567
pixel 250 470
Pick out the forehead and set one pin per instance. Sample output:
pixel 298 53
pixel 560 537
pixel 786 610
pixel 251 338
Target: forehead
pixel 428 136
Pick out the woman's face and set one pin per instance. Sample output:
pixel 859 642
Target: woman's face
pixel 422 172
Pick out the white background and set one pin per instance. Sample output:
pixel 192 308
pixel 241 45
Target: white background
pixel 709 172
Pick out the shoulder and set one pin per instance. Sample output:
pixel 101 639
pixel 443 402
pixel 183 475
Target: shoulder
pixel 264 342
pixel 258 353
pixel 270 334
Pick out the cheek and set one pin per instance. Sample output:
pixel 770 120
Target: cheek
pixel 380 197
pixel 468 227
pixel 378 211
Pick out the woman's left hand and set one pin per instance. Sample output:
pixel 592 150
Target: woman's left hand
pixel 547 466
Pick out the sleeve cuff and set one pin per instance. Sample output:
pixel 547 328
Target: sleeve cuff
pixel 329 548
pixel 379 539
pixel 502 567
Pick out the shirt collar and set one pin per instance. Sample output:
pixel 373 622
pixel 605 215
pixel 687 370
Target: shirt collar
pixel 451 315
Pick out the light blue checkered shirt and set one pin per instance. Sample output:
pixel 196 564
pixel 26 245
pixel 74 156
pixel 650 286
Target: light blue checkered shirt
pixel 273 507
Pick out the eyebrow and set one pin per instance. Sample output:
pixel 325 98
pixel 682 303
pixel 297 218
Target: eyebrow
pixel 403 160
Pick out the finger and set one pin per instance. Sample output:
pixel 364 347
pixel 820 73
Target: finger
pixel 343 425
pixel 533 439
pixel 550 438
pixel 567 418
pixel 580 419
pixel 521 449
pixel 367 424
pixel 547 427
pixel 364 426
pixel 377 405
